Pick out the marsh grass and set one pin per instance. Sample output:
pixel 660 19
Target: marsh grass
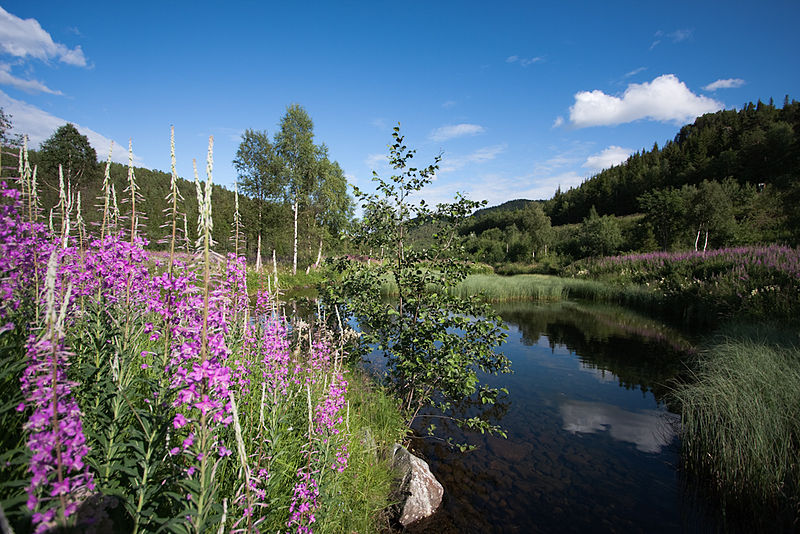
pixel 740 424
pixel 375 424
pixel 546 288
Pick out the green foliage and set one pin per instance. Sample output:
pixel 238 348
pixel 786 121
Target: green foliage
pixel 665 212
pixel 600 236
pixel 508 234
pixel 293 183
pixel 70 149
pixel 758 144
pixel 758 282
pixel 740 431
pixel 434 342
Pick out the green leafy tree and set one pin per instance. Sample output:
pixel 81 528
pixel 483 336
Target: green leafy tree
pixel 600 236
pixel 434 343
pixel 260 172
pixel 537 226
pixel 665 212
pixel 294 143
pixel 70 149
pixel 330 206
pixel 711 211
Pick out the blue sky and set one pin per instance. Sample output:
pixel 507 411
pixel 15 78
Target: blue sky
pixel 519 97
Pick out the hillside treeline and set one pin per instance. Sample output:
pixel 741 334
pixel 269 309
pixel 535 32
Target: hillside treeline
pixel 731 178
pixel 757 145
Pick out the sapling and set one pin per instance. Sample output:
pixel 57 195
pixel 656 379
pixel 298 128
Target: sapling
pixel 434 342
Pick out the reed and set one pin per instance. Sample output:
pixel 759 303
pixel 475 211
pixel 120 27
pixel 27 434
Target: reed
pixel 740 429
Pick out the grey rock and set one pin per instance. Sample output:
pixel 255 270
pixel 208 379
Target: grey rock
pixel 419 491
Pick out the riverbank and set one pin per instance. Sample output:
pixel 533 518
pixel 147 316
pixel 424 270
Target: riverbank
pixel 738 402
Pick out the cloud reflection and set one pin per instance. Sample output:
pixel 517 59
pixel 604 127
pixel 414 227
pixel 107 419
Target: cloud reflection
pixel 648 430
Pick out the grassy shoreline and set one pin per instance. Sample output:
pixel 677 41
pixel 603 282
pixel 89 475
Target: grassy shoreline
pixel 740 435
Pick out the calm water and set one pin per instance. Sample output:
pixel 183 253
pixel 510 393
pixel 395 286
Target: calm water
pixel 591 445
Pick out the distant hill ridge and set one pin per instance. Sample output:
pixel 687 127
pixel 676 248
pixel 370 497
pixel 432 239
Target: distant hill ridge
pixel 510 205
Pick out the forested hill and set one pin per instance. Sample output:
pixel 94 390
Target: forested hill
pixel 510 205
pixel 759 144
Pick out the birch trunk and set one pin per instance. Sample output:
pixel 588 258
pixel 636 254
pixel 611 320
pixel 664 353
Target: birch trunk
pixel 319 255
pixel 258 255
pixel 294 258
pixel 697 239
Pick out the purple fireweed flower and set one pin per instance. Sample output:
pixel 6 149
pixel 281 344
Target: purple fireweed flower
pixel 304 502
pixel 54 430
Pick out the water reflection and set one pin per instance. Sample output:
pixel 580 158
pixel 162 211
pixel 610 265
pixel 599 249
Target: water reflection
pixel 649 430
pixel 591 446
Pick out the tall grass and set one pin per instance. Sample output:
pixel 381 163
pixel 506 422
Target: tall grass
pixel 520 287
pixel 740 423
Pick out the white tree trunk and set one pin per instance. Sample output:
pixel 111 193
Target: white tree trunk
pixel 697 239
pixel 258 255
pixel 294 259
pixel 319 255
pixel 706 243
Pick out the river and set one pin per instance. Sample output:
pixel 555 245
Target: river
pixel 592 444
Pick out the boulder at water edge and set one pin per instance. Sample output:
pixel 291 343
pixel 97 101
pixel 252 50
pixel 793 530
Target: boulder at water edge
pixel 420 492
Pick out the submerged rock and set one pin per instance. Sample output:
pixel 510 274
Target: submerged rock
pixel 419 491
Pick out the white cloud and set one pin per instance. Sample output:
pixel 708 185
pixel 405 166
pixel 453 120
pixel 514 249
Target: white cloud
pixel 634 72
pixel 38 125
pixel 455 130
pixel 524 61
pixel 497 189
pixel 449 104
pixel 680 35
pixel 665 99
pixel 376 161
pixel 25 38
pixel 729 83
pixel 450 164
pixel 613 155
pixel 558 122
pixel 676 37
pixel 29 86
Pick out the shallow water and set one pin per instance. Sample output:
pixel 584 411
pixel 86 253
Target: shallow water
pixel 592 445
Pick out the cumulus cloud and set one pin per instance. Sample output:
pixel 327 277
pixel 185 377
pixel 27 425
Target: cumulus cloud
pixel 450 164
pixel 613 155
pixel 665 99
pixel 25 38
pixel 38 125
pixel 524 61
pixel 728 83
pixel 29 86
pixel 455 130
